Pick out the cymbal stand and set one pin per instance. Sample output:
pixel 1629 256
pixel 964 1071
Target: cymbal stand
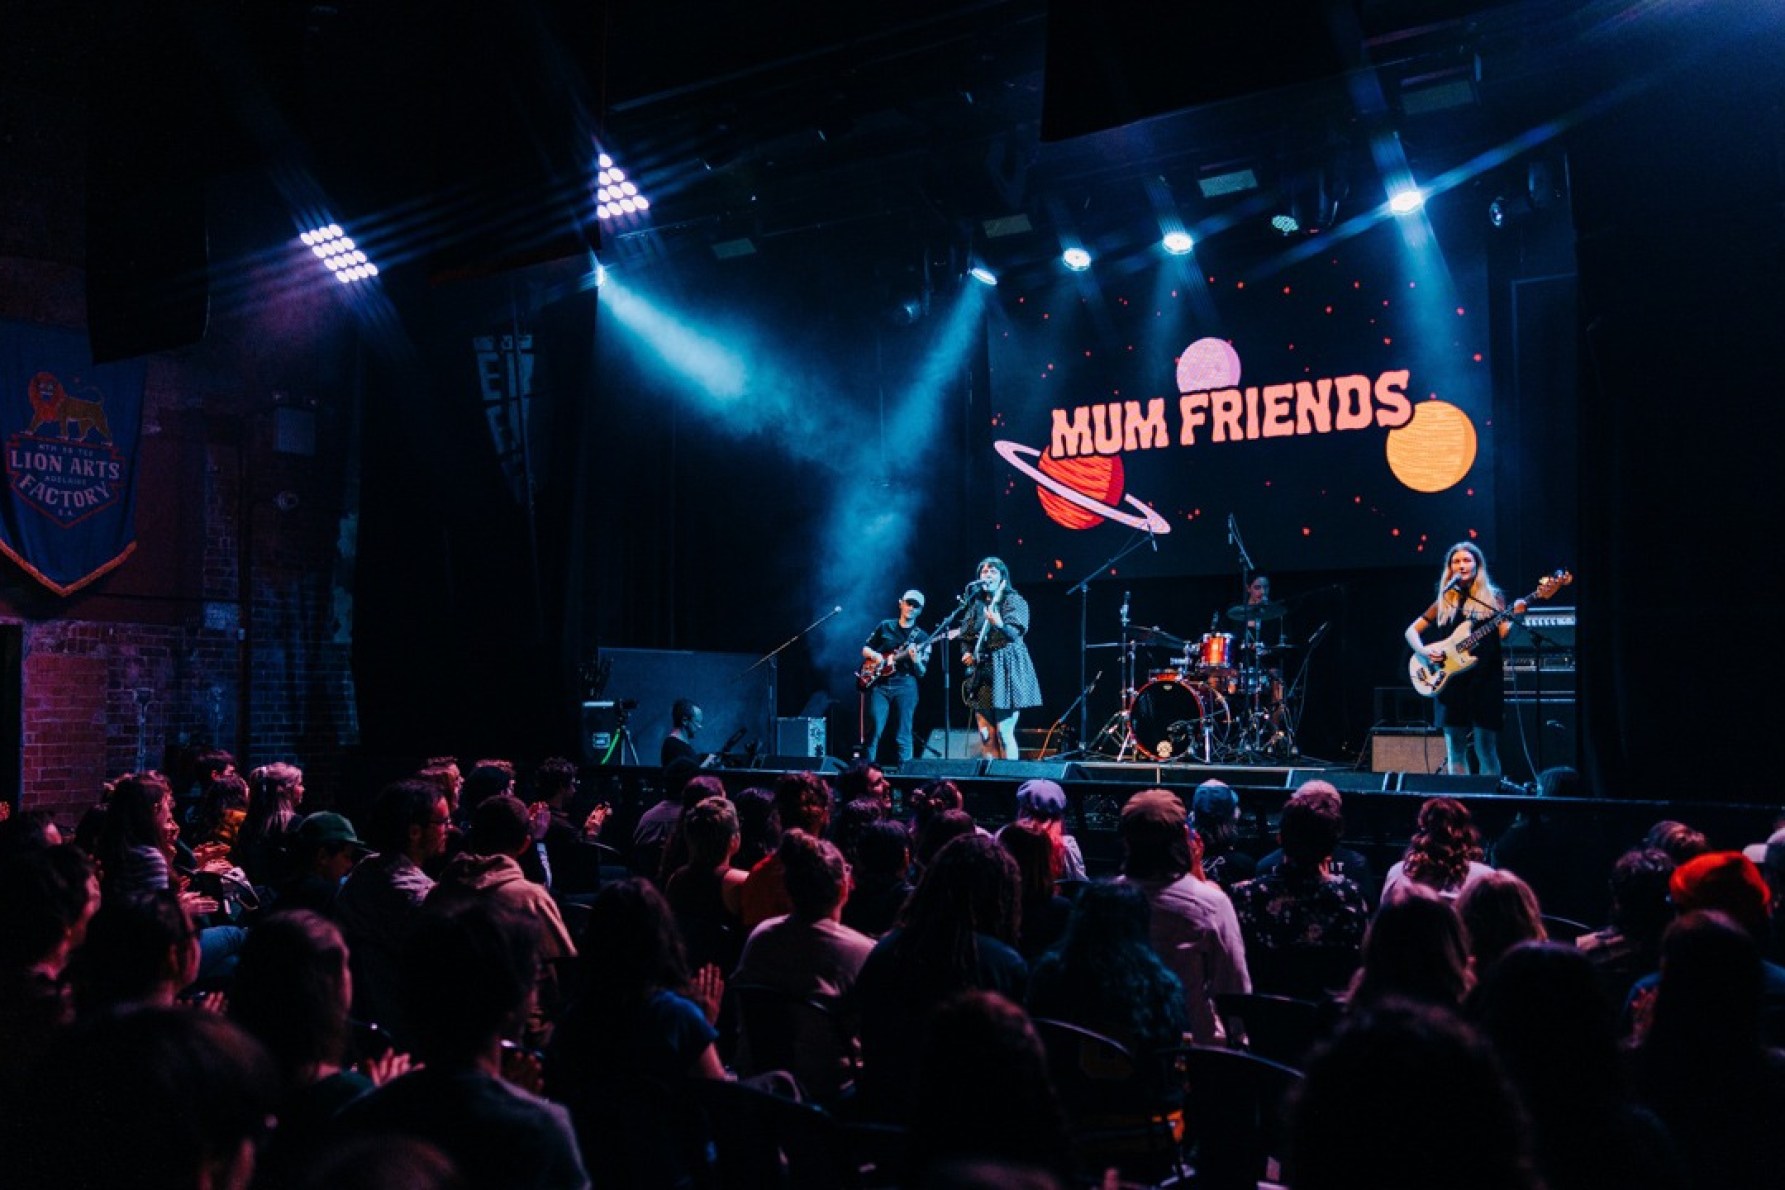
pixel 1119 728
pixel 1082 589
pixel 1282 741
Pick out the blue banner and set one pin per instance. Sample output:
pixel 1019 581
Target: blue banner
pixel 71 431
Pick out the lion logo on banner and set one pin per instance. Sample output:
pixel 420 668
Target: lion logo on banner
pixel 51 404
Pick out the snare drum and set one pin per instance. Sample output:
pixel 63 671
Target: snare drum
pixel 1170 674
pixel 1215 650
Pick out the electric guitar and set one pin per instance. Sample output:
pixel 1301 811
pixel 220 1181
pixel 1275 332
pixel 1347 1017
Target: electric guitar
pixel 873 672
pixel 1429 676
pixel 971 683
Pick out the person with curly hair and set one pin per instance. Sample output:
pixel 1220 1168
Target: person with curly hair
pixel 1105 976
pixel 1445 854
pixel 958 931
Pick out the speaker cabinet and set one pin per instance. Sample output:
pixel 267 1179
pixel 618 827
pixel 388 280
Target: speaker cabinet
pixel 800 736
pixel 1538 736
pixel 951 745
pixel 1406 752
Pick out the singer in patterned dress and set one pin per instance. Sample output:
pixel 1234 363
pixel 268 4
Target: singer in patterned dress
pixel 1001 677
pixel 1472 701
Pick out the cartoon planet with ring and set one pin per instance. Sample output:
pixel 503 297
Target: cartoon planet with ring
pixel 1082 493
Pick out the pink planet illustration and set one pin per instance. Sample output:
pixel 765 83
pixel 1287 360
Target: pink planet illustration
pixel 1208 364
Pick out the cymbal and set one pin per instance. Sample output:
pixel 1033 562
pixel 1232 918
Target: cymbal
pixel 1157 636
pixel 1241 613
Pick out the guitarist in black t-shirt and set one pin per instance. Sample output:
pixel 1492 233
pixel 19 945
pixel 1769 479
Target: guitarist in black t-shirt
pixel 893 658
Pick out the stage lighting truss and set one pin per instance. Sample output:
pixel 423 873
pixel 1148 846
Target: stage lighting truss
pixel 336 249
pixel 617 197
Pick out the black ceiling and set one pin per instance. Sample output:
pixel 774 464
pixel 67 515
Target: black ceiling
pixel 766 119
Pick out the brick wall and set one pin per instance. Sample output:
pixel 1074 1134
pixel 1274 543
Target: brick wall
pixel 151 659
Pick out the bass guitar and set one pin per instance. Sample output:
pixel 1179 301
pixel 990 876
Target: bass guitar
pixel 1430 674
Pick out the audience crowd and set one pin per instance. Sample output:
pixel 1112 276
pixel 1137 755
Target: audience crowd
pixel 496 981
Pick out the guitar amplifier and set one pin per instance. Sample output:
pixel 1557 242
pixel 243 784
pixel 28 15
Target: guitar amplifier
pixel 1406 751
pixel 800 736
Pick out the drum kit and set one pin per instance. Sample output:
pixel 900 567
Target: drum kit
pixel 1217 699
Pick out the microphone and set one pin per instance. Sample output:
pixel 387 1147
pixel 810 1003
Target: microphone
pixel 1456 580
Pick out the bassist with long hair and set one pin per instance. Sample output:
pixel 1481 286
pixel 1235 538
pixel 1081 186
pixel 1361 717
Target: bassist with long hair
pixel 1472 701
pixel 1001 677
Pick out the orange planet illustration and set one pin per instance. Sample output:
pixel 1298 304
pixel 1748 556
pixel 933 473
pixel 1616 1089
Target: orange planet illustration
pixel 1082 493
pixel 1434 450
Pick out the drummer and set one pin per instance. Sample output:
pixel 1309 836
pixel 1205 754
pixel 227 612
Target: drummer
pixel 1253 649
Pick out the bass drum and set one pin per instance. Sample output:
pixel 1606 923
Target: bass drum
pixel 1175 720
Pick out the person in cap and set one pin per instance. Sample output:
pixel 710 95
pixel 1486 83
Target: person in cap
pixel 893 658
pixel 1042 803
pixel 1215 812
pixel 324 849
pixel 1194 929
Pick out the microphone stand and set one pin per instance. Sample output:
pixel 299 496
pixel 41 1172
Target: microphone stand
pixel 941 634
pixel 1082 589
pixel 1077 753
pixel 832 614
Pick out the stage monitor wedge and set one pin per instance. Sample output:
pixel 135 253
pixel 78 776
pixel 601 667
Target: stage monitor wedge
pixel 936 770
pixel 1027 770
